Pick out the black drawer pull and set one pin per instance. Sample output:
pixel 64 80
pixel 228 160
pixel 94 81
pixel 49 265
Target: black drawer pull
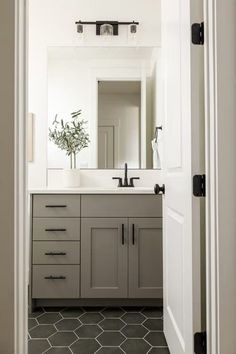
pixel 123 234
pixel 52 230
pixel 55 254
pixel 55 206
pixel 133 234
pixel 51 277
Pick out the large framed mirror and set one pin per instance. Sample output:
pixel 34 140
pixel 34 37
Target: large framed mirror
pixel 115 89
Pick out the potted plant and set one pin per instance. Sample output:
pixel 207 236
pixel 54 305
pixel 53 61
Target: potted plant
pixel 72 137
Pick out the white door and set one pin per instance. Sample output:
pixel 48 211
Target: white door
pixel 183 90
pixel 105 147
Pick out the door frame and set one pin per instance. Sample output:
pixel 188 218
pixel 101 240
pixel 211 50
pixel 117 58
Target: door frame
pixel 212 159
pixel 220 71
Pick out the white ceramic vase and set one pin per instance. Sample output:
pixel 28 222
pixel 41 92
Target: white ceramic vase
pixel 72 178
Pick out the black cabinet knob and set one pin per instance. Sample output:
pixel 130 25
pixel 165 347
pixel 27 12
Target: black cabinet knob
pixel 159 189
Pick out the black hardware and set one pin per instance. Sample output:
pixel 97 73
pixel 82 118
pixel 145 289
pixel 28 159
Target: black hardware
pixel 123 234
pixel 198 33
pixel 52 277
pixel 53 230
pixel 159 189
pixel 133 234
pixel 199 185
pixel 115 25
pixel 55 254
pixel 131 184
pixel 200 343
pixel 156 132
pixel 126 183
pixel 55 206
pixel 120 181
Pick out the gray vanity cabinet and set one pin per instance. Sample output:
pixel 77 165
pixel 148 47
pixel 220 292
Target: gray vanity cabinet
pixel 145 258
pixel 96 247
pixel 104 257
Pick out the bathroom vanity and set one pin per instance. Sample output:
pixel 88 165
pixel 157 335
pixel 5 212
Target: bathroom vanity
pixel 96 244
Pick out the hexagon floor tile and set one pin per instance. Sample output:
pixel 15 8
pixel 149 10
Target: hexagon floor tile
pixel 90 330
pixel 85 346
pixel 135 346
pixel 61 339
pixel 68 324
pixel 134 331
pixel 111 339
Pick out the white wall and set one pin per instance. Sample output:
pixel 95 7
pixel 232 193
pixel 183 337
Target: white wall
pixel 51 23
pixel 69 90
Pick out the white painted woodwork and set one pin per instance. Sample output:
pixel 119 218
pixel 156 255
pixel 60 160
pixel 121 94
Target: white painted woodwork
pixel 181 214
pixel 221 174
pixel 105 147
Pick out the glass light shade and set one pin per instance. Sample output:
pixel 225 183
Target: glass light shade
pixel 106 30
pixel 133 28
pixel 80 28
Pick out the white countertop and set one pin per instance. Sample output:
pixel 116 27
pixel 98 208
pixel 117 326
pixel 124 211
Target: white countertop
pixel 94 190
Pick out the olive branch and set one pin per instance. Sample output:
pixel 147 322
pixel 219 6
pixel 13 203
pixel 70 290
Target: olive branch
pixel 70 136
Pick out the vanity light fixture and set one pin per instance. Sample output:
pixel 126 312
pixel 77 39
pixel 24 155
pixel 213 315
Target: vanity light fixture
pixel 80 28
pixel 107 28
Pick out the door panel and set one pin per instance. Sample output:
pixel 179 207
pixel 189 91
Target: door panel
pixel 181 211
pixel 145 258
pixel 106 147
pixel 104 257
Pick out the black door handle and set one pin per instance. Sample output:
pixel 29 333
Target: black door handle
pixel 159 189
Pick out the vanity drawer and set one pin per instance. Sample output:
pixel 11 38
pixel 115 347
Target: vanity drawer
pixel 56 282
pixel 52 252
pixel 56 229
pixel 56 205
pixel 121 206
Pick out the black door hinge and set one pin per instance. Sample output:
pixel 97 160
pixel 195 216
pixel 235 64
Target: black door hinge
pixel 199 185
pixel 198 33
pixel 200 343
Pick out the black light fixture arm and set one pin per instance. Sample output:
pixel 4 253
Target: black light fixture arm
pixel 108 22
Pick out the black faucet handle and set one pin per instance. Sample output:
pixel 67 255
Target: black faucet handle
pixel 131 184
pixel 119 179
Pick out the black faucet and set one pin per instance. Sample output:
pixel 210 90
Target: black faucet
pixel 126 182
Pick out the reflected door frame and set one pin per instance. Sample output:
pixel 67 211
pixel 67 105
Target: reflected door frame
pixel 118 73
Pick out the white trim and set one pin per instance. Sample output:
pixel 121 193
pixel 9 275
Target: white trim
pixel 211 173
pixel 20 231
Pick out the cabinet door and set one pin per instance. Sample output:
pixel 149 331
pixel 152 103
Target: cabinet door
pixel 145 258
pixel 104 257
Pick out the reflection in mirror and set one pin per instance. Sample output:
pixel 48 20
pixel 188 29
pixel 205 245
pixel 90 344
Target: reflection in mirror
pixel 115 89
pixel 119 105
